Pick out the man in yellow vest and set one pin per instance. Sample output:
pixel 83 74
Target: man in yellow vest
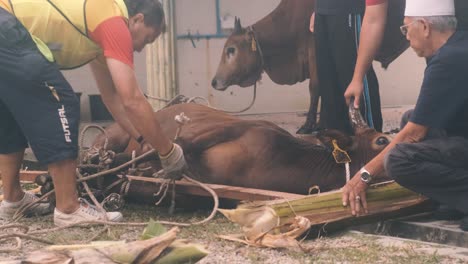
pixel 38 38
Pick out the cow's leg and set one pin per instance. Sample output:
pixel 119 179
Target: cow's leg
pixel 311 122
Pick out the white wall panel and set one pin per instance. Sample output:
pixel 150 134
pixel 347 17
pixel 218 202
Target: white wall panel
pixel 196 16
pixel 401 82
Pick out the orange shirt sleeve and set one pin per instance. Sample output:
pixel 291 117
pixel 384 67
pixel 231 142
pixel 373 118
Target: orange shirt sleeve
pixel 113 36
pixel 375 2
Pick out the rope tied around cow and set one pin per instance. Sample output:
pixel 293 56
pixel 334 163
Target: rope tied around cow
pixel 110 202
pixel 117 199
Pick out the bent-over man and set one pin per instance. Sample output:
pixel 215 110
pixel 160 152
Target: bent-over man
pixel 38 38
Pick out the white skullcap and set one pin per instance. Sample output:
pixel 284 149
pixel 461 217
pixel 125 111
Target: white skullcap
pixel 422 8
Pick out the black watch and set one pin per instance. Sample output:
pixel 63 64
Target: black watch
pixel 366 176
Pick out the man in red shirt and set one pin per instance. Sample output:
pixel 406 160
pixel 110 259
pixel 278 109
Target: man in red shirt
pixel 372 33
pixel 337 28
pixel 38 106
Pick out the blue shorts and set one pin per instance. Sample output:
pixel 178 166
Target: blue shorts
pixel 37 104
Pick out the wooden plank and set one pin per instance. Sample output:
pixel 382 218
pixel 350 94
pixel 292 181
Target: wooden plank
pixel 184 187
pixel 224 191
pixel 30 175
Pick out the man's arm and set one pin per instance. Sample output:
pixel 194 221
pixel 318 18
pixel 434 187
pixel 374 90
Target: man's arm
pixel 312 23
pixel 411 133
pixel 372 32
pixel 110 97
pixel 116 82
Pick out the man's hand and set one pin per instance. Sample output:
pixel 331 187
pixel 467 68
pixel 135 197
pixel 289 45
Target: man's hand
pixel 312 23
pixel 173 163
pixel 354 194
pixel 354 90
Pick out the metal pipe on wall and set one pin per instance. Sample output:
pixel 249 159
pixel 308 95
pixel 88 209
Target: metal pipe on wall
pixel 160 61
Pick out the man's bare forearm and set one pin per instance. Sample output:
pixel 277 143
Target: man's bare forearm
pixel 372 33
pixel 111 99
pixel 139 111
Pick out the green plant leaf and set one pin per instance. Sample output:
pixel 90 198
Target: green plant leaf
pixel 153 229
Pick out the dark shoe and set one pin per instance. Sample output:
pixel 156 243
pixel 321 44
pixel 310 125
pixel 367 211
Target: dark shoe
pixel 464 224
pixel 446 213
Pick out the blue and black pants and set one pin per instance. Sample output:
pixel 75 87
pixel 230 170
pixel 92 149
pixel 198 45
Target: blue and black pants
pixel 336 43
pixel 37 105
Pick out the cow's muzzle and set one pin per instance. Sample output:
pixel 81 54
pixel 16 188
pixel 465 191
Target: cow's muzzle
pixel 219 85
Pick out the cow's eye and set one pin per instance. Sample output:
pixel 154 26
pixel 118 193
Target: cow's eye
pixel 230 51
pixel 381 141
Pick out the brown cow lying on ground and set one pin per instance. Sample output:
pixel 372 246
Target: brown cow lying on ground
pixel 224 149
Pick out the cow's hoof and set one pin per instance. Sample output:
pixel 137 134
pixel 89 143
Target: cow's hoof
pixel 42 179
pixel 46 188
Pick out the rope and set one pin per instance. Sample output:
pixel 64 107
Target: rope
pixel 164 186
pixel 248 107
pixel 100 128
pixel 257 45
pixel 157 98
pixel 127 187
pixel 19 213
pixel 90 193
pixel 348 173
pixel 124 189
pixel 193 99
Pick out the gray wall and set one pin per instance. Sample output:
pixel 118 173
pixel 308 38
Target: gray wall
pixel 196 66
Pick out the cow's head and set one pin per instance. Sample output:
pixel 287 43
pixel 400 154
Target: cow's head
pixel 241 62
pixel 362 147
pixel 367 142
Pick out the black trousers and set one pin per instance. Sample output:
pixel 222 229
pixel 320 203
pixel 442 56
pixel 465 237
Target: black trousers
pixel 461 9
pixel 436 167
pixel 37 105
pixel 336 38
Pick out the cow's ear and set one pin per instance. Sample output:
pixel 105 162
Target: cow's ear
pixel 344 141
pixel 237 26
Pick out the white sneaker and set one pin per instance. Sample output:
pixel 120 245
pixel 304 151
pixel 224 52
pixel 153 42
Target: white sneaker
pixel 86 212
pixel 8 209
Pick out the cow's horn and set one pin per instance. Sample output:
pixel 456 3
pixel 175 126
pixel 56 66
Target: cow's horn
pixel 356 118
pixel 237 25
